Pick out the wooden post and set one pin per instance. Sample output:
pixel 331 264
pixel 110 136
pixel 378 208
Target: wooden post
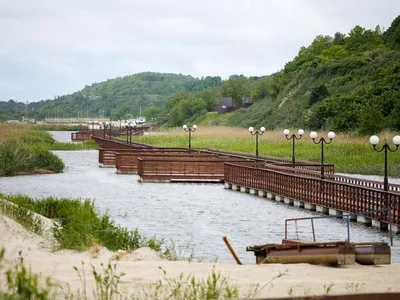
pixel 231 250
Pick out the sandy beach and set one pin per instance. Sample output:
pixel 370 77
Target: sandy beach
pixel 143 267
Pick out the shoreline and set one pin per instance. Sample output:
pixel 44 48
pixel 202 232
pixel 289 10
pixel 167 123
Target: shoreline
pixel 142 267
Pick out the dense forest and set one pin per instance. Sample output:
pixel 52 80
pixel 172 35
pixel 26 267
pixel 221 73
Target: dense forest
pixel 345 82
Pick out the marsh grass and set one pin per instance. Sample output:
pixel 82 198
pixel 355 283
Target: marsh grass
pixel 80 226
pixel 25 151
pixel 349 153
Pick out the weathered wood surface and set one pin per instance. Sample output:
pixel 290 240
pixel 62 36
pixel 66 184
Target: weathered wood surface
pixel 127 162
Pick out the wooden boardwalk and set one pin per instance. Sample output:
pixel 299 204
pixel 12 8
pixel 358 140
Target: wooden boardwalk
pixel 271 177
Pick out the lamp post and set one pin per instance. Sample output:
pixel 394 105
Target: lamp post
pixel 190 130
pixel 256 133
pixel 322 141
pixel 293 137
pixel 104 126
pixel 129 127
pixel 111 124
pixel 374 140
pixel 91 124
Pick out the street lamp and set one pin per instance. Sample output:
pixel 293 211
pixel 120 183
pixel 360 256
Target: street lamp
pixel 374 140
pixel 293 137
pixel 91 123
pixel 322 141
pixel 111 126
pixel 129 127
pixel 256 133
pixel 190 130
pixel 104 126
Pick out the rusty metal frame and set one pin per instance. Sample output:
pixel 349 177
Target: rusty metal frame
pixel 347 215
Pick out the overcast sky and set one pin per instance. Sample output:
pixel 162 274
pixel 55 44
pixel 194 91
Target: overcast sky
pixel 56 47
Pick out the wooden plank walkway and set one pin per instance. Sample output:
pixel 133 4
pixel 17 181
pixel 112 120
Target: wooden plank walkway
pixel 339 196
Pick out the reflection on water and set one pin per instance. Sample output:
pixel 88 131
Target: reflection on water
pixel 189 214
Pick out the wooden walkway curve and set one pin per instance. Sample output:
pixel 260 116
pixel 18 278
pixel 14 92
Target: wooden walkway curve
pixel 271 177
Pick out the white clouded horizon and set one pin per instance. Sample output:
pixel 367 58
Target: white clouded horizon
pixel 54 47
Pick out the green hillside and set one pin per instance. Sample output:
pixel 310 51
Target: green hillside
pixel 114 98
pixel 344 83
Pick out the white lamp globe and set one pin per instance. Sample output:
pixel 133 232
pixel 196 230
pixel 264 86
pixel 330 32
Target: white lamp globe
pixel 286 132
pixel 262 129
pixel 374 140
pixel 331 135
pixel 184 126
pixel 313 135
pixel 194 126
pixel 300 132
pixel 396 140
pixel 251 129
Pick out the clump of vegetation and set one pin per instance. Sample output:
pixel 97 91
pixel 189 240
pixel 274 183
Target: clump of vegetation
pixel 80 226
pixel 24 150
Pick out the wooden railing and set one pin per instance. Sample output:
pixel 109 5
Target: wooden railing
pixel 314 171
pixel 116 144
pixel 333 194
pixel 80 136
pixel 108 156
pixel 183 168
pixel 127 162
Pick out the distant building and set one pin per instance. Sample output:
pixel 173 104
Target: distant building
pixel 227 105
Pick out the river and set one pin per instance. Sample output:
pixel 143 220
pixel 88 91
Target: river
pixel 194 216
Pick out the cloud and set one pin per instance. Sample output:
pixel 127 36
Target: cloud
pixel 54 47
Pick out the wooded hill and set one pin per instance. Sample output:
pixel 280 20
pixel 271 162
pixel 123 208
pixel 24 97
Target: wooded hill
pixel 122 97
pixel 345 82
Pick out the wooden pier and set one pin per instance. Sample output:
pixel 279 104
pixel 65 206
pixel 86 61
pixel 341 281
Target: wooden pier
pixel 298 185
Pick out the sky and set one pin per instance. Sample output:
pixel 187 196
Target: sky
pixel 51 48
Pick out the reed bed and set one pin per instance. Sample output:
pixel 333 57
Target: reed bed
pixel 350 153
pixel 26 151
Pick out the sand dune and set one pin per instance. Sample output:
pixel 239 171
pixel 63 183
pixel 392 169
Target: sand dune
pixel 143 267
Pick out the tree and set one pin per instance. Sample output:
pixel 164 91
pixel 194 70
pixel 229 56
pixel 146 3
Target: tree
pixel 318 93
pixel 371 120
pixel 338 39
pixel 392 35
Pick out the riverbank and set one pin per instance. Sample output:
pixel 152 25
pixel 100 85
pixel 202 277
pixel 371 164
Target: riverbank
pixel 146 267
